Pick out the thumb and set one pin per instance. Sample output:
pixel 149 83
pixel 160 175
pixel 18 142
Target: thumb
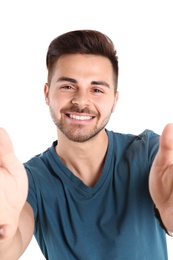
pixel 8 159
pixel 165 152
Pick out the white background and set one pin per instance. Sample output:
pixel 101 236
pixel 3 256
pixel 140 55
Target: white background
pixel 142 33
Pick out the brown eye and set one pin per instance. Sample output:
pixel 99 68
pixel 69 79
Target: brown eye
pixel 67 87
pixel 96 90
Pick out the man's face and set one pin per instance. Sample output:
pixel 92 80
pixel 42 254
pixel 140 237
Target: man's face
pixel 81 95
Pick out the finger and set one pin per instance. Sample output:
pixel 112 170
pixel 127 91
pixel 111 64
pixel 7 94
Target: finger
pixel 8 159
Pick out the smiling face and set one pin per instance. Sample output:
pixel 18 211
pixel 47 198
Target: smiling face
pixel 81 95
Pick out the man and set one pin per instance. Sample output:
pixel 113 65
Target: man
pixel 94 193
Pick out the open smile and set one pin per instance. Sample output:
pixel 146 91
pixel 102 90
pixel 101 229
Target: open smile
pixel 80 117
pixel 77 117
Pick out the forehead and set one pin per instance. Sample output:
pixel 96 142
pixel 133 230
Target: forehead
pixel 83 63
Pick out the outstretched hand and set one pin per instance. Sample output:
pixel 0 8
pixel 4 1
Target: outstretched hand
pixel 13 187
pixel 161 177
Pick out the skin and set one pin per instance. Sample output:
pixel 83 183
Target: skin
pixel 80 87
pixel 78 93
pixel 90 104
pixel 161 178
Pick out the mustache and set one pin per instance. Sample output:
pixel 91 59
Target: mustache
pixel 76 109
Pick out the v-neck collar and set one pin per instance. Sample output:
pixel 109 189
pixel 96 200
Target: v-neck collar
pixel 63 172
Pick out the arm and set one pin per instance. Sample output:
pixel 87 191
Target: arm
pixel 14 246
pixel 161 178
pixel 16 215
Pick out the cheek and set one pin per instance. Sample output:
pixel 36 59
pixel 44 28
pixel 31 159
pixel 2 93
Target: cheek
pixel 56 105
pixel 57 102
pixel 106 107
pixel 53 102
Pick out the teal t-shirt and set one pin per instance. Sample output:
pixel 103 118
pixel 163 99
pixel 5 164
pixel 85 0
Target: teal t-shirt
pixel 114 220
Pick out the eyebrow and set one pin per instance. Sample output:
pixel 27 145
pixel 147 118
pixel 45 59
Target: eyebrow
pixel 94 82
pixel 102 83
pixel 66 79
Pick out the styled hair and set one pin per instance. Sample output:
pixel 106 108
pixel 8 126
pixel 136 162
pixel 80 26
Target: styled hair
pixel 82 42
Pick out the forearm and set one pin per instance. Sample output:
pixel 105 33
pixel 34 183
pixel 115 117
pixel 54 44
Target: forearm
pixel 163 201
pixel 158 216
pixel 12 248
pixel 166 219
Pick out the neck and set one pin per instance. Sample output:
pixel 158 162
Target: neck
pixel 86 159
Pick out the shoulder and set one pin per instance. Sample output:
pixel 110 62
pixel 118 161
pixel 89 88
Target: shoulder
pixel 145 143
pixel 40 160
pixel 147 136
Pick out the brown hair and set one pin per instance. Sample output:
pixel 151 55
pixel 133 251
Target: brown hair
pixel 82 42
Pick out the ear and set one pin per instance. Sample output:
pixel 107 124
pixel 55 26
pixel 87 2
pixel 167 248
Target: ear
pixel 46 93
pixel 115 101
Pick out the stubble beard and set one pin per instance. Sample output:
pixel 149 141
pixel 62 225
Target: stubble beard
pixel 78 133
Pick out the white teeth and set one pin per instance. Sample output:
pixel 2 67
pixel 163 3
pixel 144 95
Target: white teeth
pixel 80 117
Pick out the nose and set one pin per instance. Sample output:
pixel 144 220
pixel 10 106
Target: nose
pixel 81 99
